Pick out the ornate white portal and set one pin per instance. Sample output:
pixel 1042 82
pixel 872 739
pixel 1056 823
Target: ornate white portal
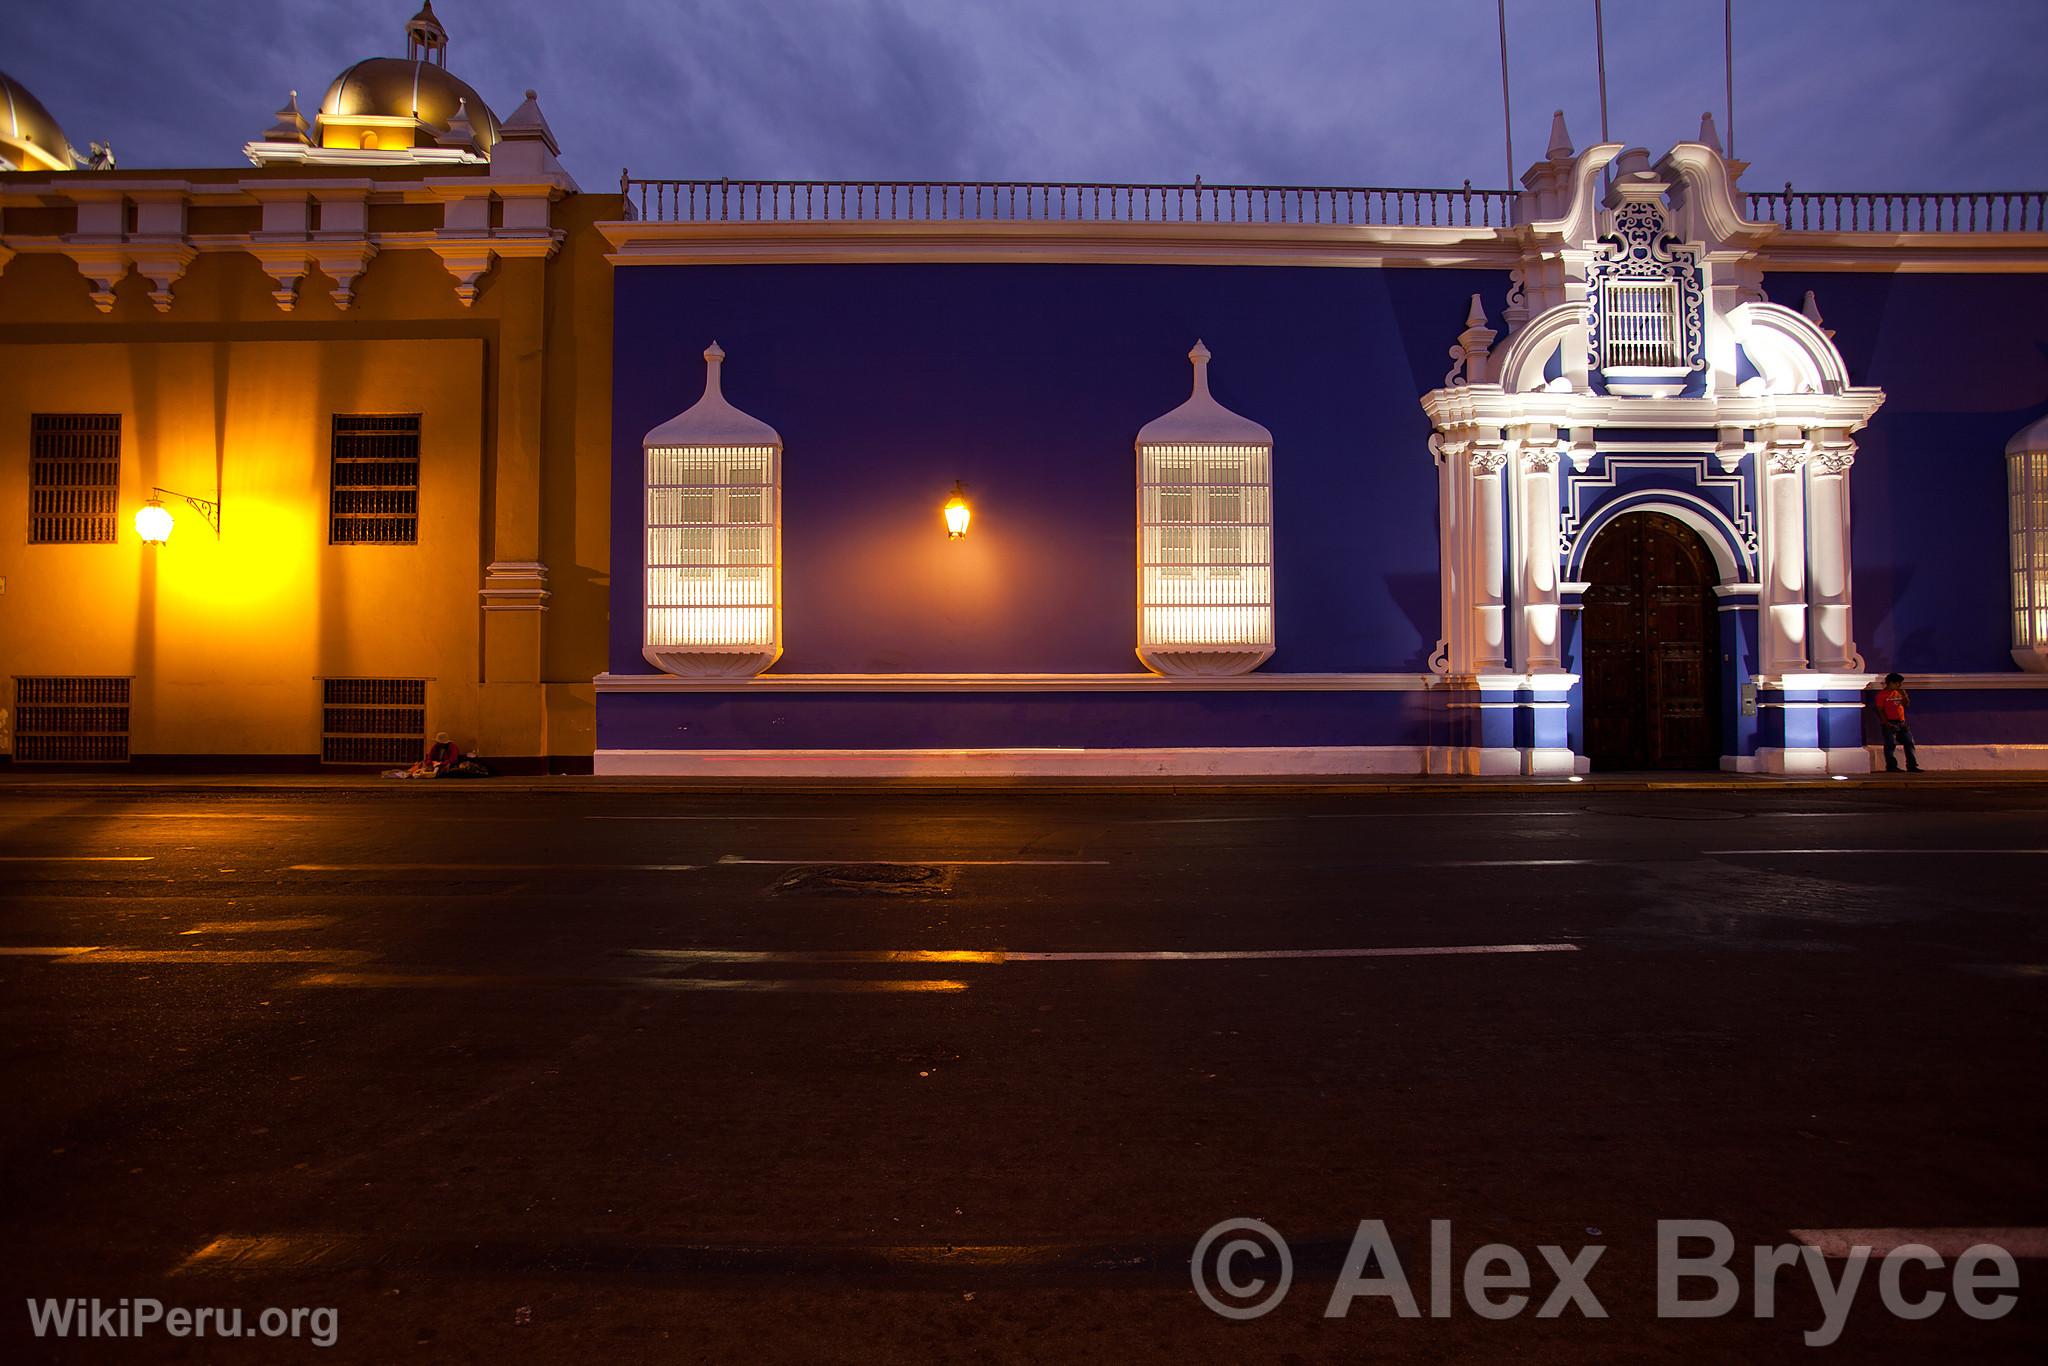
pixel 1643 369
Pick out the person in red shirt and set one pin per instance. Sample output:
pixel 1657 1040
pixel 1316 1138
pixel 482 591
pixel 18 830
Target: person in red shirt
pixel 1891 719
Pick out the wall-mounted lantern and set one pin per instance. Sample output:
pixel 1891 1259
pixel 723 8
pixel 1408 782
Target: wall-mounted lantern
pixel 958 514
pixel 153 521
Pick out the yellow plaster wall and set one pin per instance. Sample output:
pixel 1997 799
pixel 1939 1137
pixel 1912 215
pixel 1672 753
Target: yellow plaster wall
pixel 227 638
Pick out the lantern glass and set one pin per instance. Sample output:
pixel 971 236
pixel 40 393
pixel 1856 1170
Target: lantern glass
pixel 958 514
pixel 153 522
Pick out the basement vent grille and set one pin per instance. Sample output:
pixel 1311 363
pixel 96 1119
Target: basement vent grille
pixel 74 478
pixel 376 480
pixel 373 720
pixel 71 720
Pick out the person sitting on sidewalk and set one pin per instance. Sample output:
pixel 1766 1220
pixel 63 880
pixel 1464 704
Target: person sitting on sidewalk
pixel 1891 703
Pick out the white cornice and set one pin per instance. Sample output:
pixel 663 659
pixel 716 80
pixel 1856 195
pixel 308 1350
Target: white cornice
pixel 1483 405
pixel 637 243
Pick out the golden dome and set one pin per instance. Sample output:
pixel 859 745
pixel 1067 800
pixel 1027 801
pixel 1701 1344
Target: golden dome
pixel 30 139
pixel 395 88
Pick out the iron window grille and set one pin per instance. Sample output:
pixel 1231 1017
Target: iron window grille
pixel 375 479
pixel 373 720
pixel 1640 326
pixel 1206 556
pixel 710 546
pixel 2027 493
pixel 74 478
pixel 71 720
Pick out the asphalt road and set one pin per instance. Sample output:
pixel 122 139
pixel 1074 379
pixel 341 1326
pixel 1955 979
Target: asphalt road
pixel 630 1076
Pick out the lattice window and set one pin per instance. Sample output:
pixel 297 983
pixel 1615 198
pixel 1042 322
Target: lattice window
pixel 2027 503
pixel 71 720
pixel 376 479
pixel 1206 546
pixel 74 478
pixel 1640 324
pixel 373 720
pixel 711 546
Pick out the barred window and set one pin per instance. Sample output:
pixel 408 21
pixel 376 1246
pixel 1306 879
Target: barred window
pixel 710 546
pixel 71 720
pixel 373 720
pixel 1639 323
pixel 376 479
pixel 1207 532
pixel 2027 526
pixel 74 478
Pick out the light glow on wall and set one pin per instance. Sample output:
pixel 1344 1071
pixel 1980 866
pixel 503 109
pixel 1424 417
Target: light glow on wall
pixel 711 546
pixel 1206 547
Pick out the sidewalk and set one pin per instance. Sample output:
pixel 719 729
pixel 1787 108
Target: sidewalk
pixel 19 783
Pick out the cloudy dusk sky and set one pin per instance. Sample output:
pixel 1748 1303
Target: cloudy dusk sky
pixel 1830 94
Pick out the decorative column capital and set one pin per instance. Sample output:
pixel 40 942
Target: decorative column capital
pixel 1490 457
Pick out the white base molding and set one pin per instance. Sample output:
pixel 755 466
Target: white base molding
pixel 1968 758
pixel 1250 761
pixel 1771 760
pixel 1548 762
pixel 1475 761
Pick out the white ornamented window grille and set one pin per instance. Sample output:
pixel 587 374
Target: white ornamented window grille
pixel 714 492
pixel 2026 475
pixel 1641 324
pixel 1205 537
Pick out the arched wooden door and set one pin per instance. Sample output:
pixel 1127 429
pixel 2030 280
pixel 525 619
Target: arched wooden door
pixel 1651 647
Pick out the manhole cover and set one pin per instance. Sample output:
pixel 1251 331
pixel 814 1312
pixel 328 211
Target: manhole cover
pixel 865 879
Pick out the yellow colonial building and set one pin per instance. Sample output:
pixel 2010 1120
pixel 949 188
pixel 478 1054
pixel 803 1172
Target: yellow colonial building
pixel 362 379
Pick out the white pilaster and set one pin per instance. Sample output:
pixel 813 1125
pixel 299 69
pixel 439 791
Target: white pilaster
pixel 1539 646
pixel 1833 647
pixel 1486 568
pixel 1784 553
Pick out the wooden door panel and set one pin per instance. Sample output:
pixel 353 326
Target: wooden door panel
pixel 1651 651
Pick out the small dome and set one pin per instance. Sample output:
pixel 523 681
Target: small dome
pixel 1202 421
pixel 711 421
pixel 395 87
pixel 30 139
pixel 2032 437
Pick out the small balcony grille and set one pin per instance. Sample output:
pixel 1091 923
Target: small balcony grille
pixel 71 720
pixel 1639 324
pixel 74 478
pixel 373 720
pixel 376 480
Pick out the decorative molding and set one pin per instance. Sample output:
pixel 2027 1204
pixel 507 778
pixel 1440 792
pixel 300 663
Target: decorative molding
pixel 514 586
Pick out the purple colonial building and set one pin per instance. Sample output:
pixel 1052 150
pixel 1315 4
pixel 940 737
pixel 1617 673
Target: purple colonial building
pixel 1650 512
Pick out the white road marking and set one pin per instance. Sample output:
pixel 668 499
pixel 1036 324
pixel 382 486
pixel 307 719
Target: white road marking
pixel 1946 1242
pixel 278 925
pixel 76 858
pixel 1516 863
pixel 494 867
pixel 1893 849
pixel 735 859
pixel 725 818
pixel 762 985
pixel 1326 816
pixel 45 951
pixel 236 816
pixel 990 957
pixel 208 957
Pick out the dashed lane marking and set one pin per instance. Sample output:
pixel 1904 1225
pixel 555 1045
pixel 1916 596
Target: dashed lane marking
pixel 76 858
pixel 1890 849
pixel 212 957
pixel 2028 1243
pixel 734 860
pixel 447 867
pixel 278 925
pixel 45 950
pixel 762 985
pixel 992 957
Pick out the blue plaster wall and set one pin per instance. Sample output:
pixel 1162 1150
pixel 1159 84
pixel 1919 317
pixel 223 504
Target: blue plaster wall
pixel 1963 360
pixel 1029 383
